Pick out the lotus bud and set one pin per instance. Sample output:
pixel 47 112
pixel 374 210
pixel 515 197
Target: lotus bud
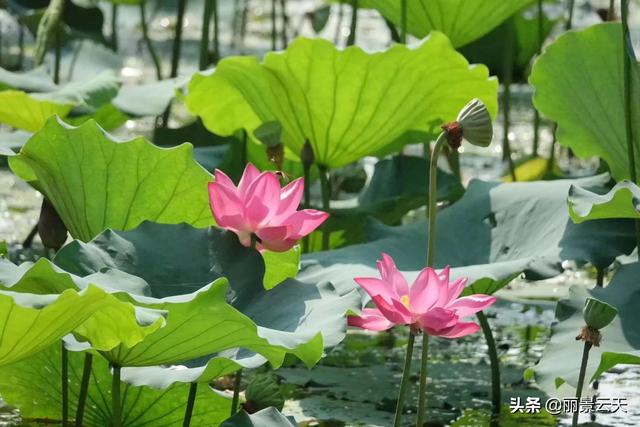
pixel 262 392
pixel 598 314
pixel 51 229
pixel 307 156
pixel 473 124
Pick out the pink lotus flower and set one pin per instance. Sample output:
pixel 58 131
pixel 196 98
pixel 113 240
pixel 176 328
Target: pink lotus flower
pixel 260 207
pixel 431 304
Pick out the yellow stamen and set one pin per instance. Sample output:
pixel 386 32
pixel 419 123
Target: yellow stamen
pixel 404 299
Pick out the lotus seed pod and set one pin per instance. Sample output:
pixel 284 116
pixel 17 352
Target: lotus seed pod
pixel 476 124
pixel 598 314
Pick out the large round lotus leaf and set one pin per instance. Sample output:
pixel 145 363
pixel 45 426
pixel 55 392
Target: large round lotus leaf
pixel 34 321
pixel 177 261
pixel 346 103
pixel 495 231
pixel 623 201
pixel 96 182
pixel 113 323
pixel 578 84
pixel 557 371
pixel 463 21
pixel 33 385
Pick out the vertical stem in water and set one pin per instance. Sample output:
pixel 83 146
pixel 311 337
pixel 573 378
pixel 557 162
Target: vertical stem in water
pixel 507 77
pixel 285 23
pixel 569 24
pixel 339 23
pixel 20 46
pixel 351 40
pixel 58 57
pixel 116 403
pixel 216 33
pixel 191 401
pixel 84 388
pixel 611 14
pixel 64 364
pixel 274 26
pixel 47 28
pixel 496 385
pixel 629 55
pixel 177 41
pixel 404 383
pixel 403 22
pixel 205 57
pixel 536 114
pixel 583 370
pixel 325 183
pixel 236 386
pixel 148 42
pixel 114 27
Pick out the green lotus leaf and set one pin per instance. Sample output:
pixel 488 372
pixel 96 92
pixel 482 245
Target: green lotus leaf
pixel 463 21
pixel 32 322
pixel 578 84
pixel 33 385
pixel 96 182
pixel 623 201
pixel 493 233
pixel 269 417
pixel 557 371
pixel 114 323
pixel 200 321
pixel 30 111
pixel 310 90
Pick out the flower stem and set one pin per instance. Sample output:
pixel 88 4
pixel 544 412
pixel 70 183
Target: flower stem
pixel 207 13
pixel 403 22
pixel 64 363
pixel 507 77
pixel 405 380
pixel 236 392
pixel 148 42
pixel 274 29
pixel 422 397
pixel 431 248
pixel 191 401
pixel 216 32
pixel 58 52
pixel 496 398
pixel 627 52
pixel 116 403
pixel 114 27
pixel 433 198
pixel 351 40
pixel 325 182
pixel 307 200
pixel 177 40
pixel 611 15
pixel 285 23
pixel 47 28
pixel 84 388
pixel 583 370
pixel 536 113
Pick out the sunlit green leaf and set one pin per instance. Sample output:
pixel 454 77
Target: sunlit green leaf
pixel 347 103
pixel 96 182
pixel 463 21
pixel 578 84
